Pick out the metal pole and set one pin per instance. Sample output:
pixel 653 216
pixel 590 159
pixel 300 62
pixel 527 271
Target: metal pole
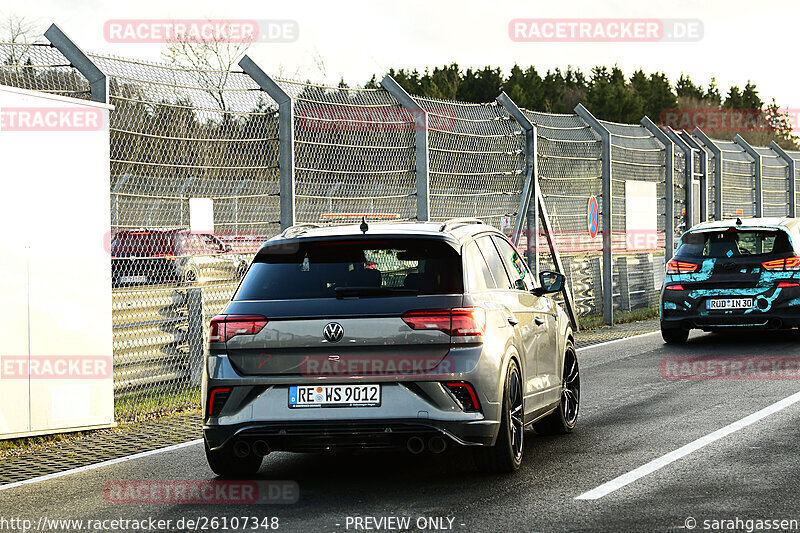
pixel 792 169
pixel 703 170
pixel 98 81
pixel 669 186
pixel 420 143
pixel 608 283
pixel 759 173
pixel 688 171
pixel 706 140
pixel 285 138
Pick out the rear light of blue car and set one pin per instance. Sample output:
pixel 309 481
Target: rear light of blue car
pixel 464 395
pixel 225 327
pixel 681 267
pixel 791 264
pixel 456 322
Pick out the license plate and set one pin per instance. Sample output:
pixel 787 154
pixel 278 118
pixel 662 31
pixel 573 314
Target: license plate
pixel 729 303
pixel 334 396
pixel 133 279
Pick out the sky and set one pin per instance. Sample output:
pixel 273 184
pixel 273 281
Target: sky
pixel 742 40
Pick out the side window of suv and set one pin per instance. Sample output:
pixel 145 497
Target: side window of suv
pixel 514 263
pixel 495 263
pixel 478 276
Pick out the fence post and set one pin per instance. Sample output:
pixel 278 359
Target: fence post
pixel 285 137
pixel 688 171
pixel 608 281
pixel 669 185
pixel 759 164
pixel 420 144
pixel 195 333
pixel 703 170
pixel 98 81
pixel 718 212
pixel 526 207
pixel 792 169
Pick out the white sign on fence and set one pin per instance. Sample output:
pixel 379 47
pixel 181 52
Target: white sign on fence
pixel 641 215
pixel 201 215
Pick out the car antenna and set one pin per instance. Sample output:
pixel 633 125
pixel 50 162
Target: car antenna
pixel 364 226
pixel 738 221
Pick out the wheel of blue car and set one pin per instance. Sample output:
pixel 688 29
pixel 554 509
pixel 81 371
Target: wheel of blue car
pixel 674 335
pixel 506 454
pixel 564 418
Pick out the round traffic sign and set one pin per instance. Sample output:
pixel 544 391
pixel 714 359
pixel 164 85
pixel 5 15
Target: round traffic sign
pixel 593 217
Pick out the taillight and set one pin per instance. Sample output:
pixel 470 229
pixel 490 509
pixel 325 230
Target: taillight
pixel 224 327
pixel 788 284
pixel 456 322
pixel 788 263
pixel 677 287
pixel 681 267
pixel 168 257
pixel 216 400
pixel 464 394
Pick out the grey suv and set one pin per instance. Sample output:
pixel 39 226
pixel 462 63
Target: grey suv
pixel 395 335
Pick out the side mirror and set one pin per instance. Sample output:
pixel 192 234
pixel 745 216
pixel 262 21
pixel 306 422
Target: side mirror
pixel 520 285
pixel 550 282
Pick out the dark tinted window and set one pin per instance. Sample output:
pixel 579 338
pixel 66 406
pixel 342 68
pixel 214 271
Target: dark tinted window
pixel 495 263
pixel 730 244
pixel 515 265
pixel 478 275
pixel 386 267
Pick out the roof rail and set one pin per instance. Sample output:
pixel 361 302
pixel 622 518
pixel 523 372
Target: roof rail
pixel 298 229
pixel 458 222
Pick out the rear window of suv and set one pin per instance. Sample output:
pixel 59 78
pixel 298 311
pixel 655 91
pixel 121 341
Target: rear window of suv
pixel 353 268
pixel 734 243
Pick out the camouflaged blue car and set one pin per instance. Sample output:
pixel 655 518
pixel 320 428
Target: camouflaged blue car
pixel 733 274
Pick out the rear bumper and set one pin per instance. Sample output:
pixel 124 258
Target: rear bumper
pixel 772 308
pixel 346 434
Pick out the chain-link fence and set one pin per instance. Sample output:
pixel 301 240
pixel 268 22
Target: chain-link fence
pixel 184 134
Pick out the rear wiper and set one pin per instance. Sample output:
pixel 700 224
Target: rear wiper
pixel 343 292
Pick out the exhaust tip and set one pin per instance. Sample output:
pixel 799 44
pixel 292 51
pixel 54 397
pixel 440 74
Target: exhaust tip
pixel 261 448
pixel 415 445
pixel 241 449
pixel 437 444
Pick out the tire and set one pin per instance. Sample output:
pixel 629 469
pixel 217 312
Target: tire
pixel 241 270
pixel 564 418
pixel 674 335
pixel 506 454
pixel 225 464
pixel 191 276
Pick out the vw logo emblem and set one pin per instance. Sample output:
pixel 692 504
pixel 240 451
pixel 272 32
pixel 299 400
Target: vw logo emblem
pixel 333 332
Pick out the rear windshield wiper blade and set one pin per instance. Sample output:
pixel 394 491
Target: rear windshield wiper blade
pixel 342 292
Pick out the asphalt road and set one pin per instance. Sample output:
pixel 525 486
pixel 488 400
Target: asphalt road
pixel 630 415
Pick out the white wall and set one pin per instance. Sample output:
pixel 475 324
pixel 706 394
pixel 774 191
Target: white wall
pixel 55 269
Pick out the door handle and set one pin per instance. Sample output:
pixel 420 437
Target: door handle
pixel 539 321
pixel 511 320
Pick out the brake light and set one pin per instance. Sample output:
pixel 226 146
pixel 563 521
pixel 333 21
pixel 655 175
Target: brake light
pixel 681 267
pixel 456 322
pixel 788 263
pixel 674 287
pixel 168 257
pixel 464 393
pixel 225 327
pixel 216 400
pixel 787 284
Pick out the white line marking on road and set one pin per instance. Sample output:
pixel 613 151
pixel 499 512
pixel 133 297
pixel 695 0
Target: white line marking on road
pixel 616 341
pixel 664 460
pixel 99 465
